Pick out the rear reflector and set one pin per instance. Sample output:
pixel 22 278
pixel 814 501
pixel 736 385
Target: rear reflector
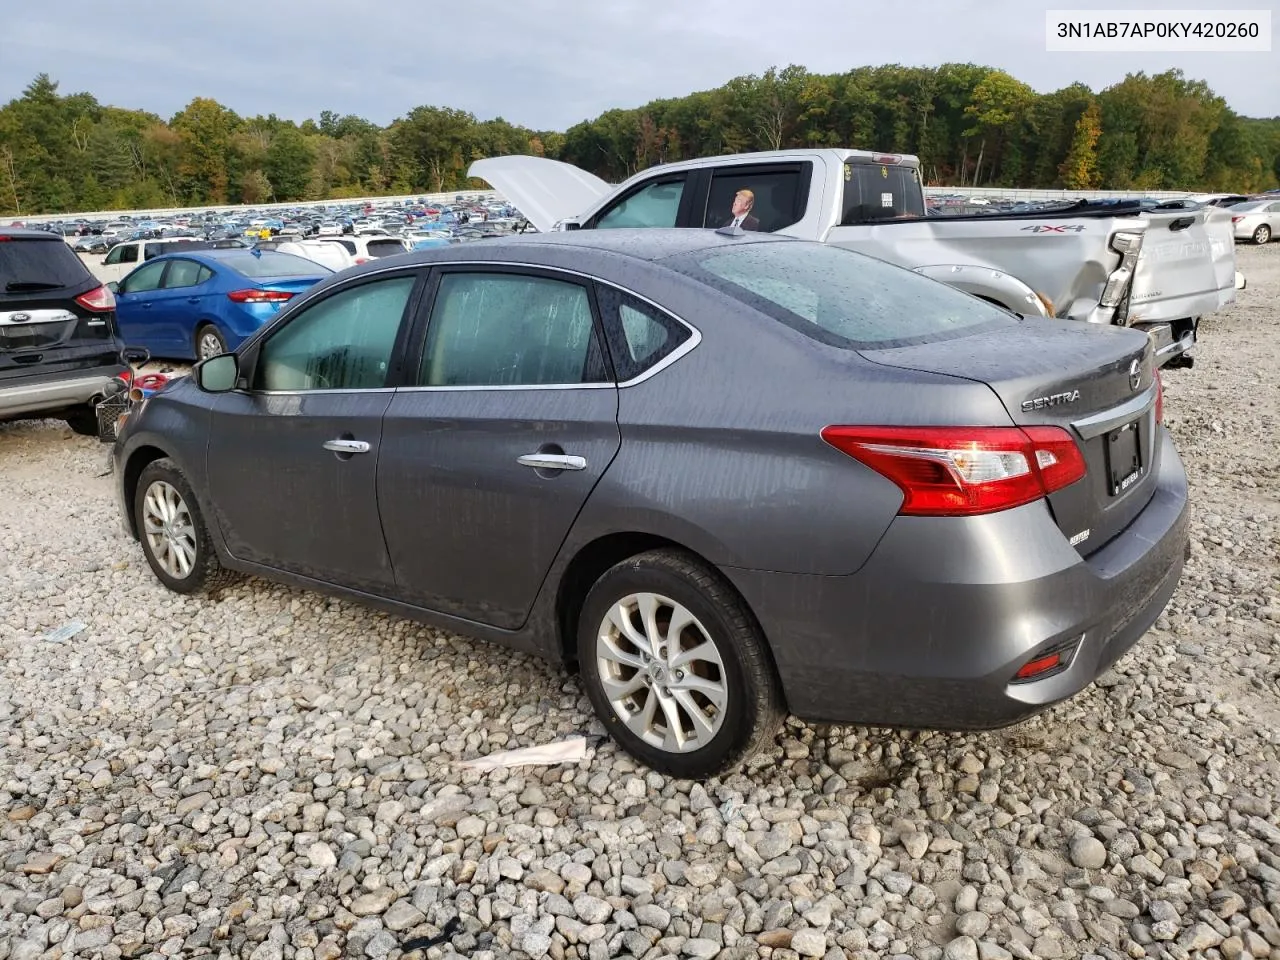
pixel 1048 662
pixel 1159 398
pixel 964 471
pixel 259 296
pixel 98 299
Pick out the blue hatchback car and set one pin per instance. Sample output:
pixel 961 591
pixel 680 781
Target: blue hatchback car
pixel 188 306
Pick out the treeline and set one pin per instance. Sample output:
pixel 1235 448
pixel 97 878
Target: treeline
pixel 970 126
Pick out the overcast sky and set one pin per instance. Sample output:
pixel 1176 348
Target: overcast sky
pixel 542 63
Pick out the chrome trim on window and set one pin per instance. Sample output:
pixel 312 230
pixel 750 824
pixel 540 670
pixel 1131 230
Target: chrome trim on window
pixel 695 337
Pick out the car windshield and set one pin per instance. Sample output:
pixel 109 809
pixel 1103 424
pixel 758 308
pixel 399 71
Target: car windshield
pixel 39 265
pixel 272 264
pixel 839 297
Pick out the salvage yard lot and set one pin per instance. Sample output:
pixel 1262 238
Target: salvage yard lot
pixel 270 773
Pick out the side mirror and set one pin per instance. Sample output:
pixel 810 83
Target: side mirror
pixel 217 374
pixel 113 287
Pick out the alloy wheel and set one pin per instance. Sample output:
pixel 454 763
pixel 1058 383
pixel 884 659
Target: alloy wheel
pixel 210 344
pixel 661 672
pixel 1262 234
pixel 169 529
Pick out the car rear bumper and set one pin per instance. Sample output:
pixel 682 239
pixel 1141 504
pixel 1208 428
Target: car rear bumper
pixel 39 394
pixel 930 632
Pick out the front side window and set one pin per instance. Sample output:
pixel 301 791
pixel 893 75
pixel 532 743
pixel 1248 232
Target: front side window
pixel 840 297
pixel 125 253
pixel 506 330
pixel 144 278
pixel 653 205
pixel 764 200
pixel 344 342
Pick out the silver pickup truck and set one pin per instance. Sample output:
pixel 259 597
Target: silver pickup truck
pixel 1102 262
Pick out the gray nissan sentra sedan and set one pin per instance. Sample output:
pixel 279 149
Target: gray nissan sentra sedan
pixel 725 476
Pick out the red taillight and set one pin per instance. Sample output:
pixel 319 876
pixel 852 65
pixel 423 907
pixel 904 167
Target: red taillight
pixel 1159 398
pixel 98 299
pixel 1236 219
pixel 962 471
pixel 259 296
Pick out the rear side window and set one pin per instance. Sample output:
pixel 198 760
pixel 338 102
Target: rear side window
pixel 880 191
pixel 508 330
pixel 186 273
pixel 639 336
pixel 839 297
pixel 756 199
pixel 28 266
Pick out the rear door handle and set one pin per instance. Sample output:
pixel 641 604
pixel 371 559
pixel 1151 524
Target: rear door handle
pixel 347 446
pixel 193 299
pixel 552 461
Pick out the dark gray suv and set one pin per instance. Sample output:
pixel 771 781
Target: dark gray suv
pixel 58 343
pixel 726 476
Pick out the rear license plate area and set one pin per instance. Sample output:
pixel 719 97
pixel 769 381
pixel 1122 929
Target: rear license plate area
pixel 1124 458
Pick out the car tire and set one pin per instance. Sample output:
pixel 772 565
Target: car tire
pixel 1262 235
pixel 207 337
pixel 737 669
pixel 83 422
pixel 179 552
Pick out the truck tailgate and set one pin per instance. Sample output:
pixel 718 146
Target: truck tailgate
pixel 1186 268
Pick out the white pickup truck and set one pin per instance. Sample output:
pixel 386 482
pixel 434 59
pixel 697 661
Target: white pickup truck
pixel 1159 270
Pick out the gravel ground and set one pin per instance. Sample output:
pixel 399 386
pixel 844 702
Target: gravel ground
pixel 271 774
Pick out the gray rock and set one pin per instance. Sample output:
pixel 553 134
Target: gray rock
pixel 591 909
pixel 961 948
pixel 973 924
pixel 809 943
pixel 1088 853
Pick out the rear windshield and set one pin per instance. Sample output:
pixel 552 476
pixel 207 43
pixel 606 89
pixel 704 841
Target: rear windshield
pixel 838 296
pixel 385 248
pixel 33 265
pixel 273 264
pixel 874 191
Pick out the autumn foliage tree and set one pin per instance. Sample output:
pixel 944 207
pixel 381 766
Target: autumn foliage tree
pixel 969 125
pixel 1080 170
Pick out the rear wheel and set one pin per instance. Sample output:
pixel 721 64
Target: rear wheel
pixel 1262 234
pixel 209 342
pixel 172 530
pixel 676 667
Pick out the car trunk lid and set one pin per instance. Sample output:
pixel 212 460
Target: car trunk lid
pixel 1097 383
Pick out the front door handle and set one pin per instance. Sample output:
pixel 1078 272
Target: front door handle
pixel 347 446
pixel 552 461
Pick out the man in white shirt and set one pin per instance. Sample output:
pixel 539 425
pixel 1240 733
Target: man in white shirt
pixel 743 201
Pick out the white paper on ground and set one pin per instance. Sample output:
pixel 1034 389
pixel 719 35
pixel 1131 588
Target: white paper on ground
pixel 546 754
pixel 65 632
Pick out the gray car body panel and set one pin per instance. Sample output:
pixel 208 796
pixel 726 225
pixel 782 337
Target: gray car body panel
pixel 837 588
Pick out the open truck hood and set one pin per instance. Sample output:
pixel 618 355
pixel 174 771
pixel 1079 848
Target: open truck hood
pixel 545 191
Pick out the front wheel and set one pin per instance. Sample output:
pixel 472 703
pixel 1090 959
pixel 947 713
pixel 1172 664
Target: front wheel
pixel 172 530
pixel 209 342
pixel 676 666
pixel 1262 234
